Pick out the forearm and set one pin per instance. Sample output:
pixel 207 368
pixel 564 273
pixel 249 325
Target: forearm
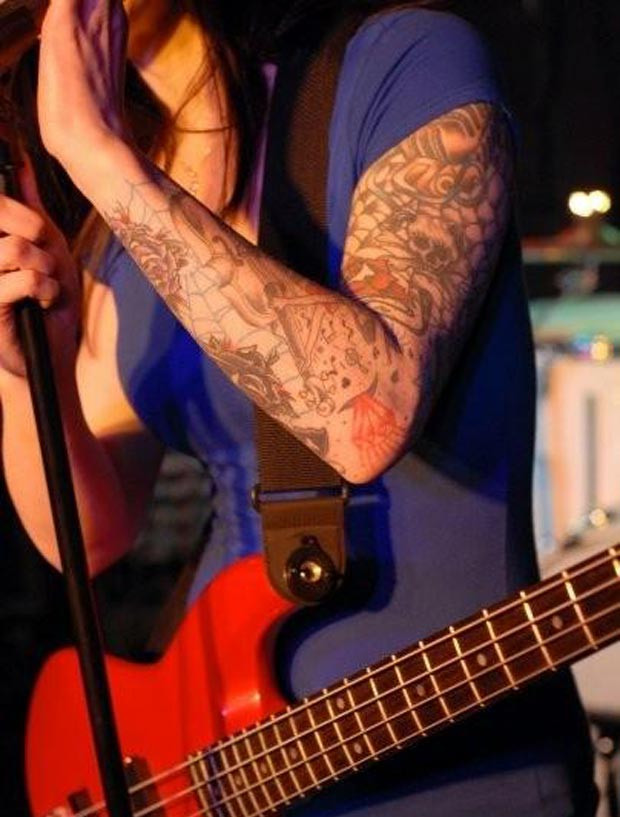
pixel 318 361
pixel 106 524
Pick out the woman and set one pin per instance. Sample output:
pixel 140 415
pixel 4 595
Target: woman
pixel 424 267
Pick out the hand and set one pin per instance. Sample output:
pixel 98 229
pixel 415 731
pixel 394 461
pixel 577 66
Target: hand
pixel 81 78
pixel 35 262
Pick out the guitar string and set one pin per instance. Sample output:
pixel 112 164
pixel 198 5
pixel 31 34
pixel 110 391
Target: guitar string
pixel 376 756
pixel 244 735
pixel 224 802
pixel 553 583
pixel 260 783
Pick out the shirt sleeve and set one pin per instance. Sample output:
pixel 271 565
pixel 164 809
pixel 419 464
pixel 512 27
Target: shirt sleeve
pixel 405 68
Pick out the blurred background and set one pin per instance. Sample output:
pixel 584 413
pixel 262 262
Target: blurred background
pixel 560 60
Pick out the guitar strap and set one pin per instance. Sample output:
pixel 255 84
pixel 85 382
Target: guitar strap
pixel 300 498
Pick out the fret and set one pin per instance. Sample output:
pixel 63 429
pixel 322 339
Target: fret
pixel 394 702
pixel 260 771
pixel 428 710
pixel 429 667
pixel 338 759
pixel 360 725
pixel 598 594
pixel 384 714
pixel 470 681
pixel 250 776
pixel 240 779
pixel 305 725
pixel 407 696
pixel 237 784
pixel 518 641
pixel 368 712
pixel 328 735
pixel 448 674
pixel 214 770
pixel 320 712
pixel 599 602
pixel 372 713
pixel 293 752
pixel 200 779
pixel 532 620
pixel 270 760
pixel 300 742
pixel 561 628
pixel 332 771
pixel 287 755
pixel 350 724
pixel 550 597
pixel 498 649
pixel 481 658
pixel 570 592
pixel 591 578
pixel 341 738
pixel 605 625
pixel 329 738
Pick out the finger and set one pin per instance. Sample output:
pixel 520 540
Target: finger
pixel 20 220
pixel 19 253
pixel 15 286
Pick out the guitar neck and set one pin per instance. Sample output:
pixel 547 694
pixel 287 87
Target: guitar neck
pixel 413 693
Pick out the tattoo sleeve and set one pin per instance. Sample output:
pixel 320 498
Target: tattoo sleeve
pixel 351 373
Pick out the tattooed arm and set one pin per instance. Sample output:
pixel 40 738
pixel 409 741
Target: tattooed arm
pixel 350 373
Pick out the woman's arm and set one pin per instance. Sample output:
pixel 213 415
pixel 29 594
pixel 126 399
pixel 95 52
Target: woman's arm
pixel 114 460
pixel 350 373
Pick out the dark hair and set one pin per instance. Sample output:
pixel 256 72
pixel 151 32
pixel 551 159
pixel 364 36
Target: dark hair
pixel 248 33
pixel 243 34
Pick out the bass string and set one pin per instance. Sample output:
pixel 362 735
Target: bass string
pixel 247 764
pixel 234 798
pixel 247 789
pixel 551 584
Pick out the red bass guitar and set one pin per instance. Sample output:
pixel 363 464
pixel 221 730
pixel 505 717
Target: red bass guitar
pixel 205 731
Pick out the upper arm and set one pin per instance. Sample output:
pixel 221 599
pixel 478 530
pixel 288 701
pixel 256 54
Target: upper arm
pixel 427 223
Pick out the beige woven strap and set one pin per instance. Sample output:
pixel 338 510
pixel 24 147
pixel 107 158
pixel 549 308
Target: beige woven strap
pixel 303 536
pixel 286 464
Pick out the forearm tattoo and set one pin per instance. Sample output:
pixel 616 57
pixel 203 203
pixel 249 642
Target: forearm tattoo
pixel 347 372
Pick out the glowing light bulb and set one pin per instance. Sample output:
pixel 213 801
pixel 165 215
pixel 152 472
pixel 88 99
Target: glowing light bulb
pixel 601 348
pixel 580 205
pixel 600 201
pixel 598 518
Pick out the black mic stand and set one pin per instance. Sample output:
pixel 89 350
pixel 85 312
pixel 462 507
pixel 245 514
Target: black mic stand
pixel 31 328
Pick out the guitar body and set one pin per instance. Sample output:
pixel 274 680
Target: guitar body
pixel 213 680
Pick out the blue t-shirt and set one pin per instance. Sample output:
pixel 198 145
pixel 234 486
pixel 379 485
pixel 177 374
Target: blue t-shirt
pixel 445 531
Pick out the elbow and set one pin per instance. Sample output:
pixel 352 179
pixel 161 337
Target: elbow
pixel 371 453
pixel 373 464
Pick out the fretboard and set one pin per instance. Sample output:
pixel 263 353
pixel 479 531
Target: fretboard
pixel 412 693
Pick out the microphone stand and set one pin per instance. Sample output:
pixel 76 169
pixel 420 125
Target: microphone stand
pixel 31 328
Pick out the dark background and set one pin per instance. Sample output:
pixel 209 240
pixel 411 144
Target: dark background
pixel 561 64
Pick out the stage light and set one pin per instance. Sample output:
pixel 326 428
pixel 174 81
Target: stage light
pixel 586 204
pixel 598 518
pixel 600 201
pixel 580 205
pixel 601 348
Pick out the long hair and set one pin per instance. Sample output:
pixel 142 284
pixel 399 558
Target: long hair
pixel 241 36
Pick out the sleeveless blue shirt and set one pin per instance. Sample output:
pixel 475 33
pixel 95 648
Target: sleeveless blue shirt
pixel 446 530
